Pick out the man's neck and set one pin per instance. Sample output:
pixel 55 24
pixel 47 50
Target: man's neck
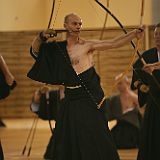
pixel 72 39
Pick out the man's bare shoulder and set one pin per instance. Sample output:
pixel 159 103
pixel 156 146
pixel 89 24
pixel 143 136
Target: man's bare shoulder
pixel 88 44
pixel 92 41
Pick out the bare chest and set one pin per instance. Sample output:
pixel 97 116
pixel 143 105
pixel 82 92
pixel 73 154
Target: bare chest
pixel 79 54
pixel 126 102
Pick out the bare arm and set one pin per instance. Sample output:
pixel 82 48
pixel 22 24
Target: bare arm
pixel 38 93
pixel 4 68
pixel 36 44
pixel 37 96
pixel 42 37
pixel 117 41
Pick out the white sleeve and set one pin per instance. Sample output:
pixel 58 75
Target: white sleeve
pixel 34 107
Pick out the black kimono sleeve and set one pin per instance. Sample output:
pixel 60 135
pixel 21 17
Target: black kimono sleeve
pixel 142 78
pixel 137 81
pixel 4 87
pixel 51 66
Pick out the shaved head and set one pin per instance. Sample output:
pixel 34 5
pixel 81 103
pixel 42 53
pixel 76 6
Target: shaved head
pixel 70 15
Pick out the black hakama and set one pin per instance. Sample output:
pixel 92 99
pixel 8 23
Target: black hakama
pixel 81 131
pixel 149 142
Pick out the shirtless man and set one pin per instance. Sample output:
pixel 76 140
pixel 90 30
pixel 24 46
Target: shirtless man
pixel 80 50
pixel 80 131
pixel 123 107
pixel 128 98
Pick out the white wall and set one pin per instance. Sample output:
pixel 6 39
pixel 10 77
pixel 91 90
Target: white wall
pixel 22 14
pixel 156 11
pixel 34 14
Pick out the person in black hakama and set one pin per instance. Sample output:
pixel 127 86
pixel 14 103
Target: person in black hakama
pixel 81 132
pixel 7 80
pixel 124 108
pixel 45 103
pixel 47 110
pixel 7 83
pixel 149 96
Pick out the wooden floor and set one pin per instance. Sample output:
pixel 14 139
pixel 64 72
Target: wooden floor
pixel 14 137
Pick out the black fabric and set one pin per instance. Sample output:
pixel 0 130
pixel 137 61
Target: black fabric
pixel 149 148
pixel 33 54
pixel 150 56
pixel 80 126
pixel 80 132
pixel 125 135
pixel 49 111
pixel 127 130
pixel 114 111
pixel 51 67
pixel 4 87
pixel 2 124
pixel 49 150
pixel 112 108
pixel 1 152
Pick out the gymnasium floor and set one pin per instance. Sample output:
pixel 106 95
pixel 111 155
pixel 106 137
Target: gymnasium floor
pixel 15 136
